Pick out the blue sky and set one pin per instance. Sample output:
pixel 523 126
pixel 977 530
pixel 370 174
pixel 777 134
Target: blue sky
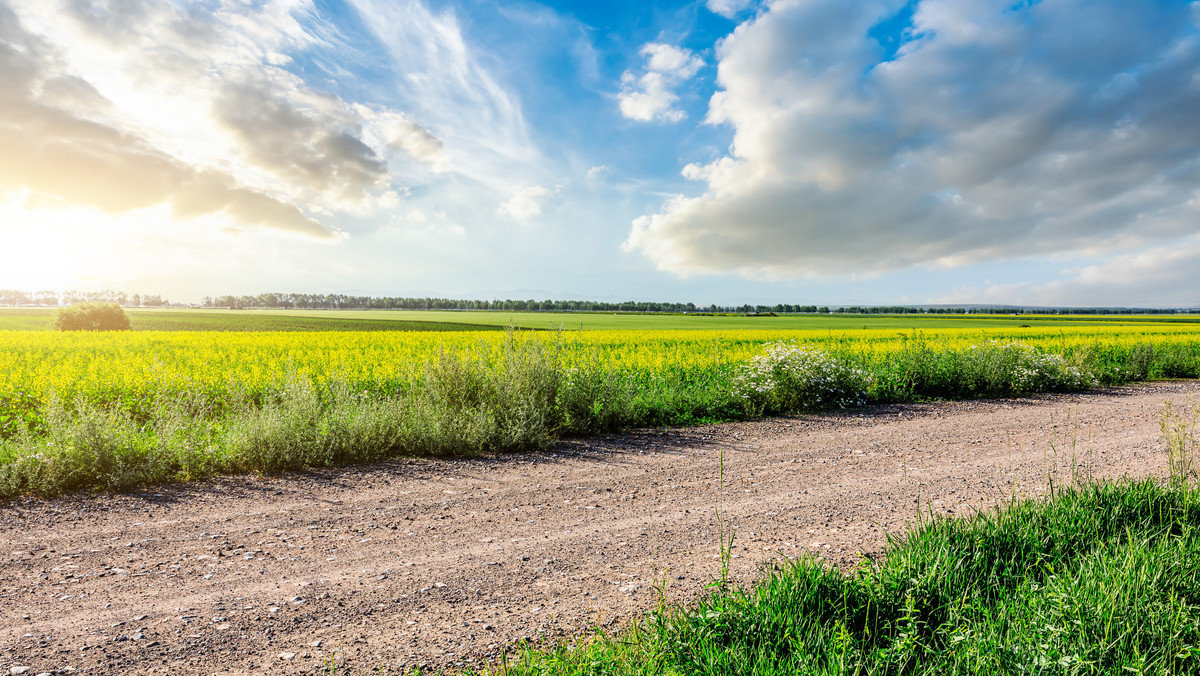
pixel 804 151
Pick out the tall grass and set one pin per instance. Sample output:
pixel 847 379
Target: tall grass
pixel 1179 433
pixel 520 393
pixel 1102 579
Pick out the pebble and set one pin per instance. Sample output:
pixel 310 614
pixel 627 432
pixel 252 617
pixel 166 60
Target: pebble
pixel 273 610
pixel 17 671
pixel 287 656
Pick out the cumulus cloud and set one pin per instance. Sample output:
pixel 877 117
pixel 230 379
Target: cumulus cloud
pixel 525 205
pixel 651 96
pixel 55 140
pixel 304 143
pixel 994 132
pixel 728 8
pixel 400 133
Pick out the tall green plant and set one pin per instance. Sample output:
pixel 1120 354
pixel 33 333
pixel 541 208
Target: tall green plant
pixel 1179 433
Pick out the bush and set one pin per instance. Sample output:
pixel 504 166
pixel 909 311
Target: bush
pixel 790 378
pixel 91 317
pixel 997 367
pixel 988 369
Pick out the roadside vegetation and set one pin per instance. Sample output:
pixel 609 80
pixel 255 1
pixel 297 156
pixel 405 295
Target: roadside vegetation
pixel 1101 579
pixel 1094 579
pixel 112 411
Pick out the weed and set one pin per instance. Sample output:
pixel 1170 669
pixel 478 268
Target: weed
pixel 1179 433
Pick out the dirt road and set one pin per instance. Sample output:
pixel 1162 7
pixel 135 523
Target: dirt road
pixel 447 562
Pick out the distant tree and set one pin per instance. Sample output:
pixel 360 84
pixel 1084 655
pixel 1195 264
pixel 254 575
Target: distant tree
pixel 91 316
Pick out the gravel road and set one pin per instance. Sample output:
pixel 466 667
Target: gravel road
pixel 448 562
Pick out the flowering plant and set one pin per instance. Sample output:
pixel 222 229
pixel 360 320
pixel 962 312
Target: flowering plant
pixel 789 377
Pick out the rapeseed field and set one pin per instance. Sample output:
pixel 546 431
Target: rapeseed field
pixel 116 409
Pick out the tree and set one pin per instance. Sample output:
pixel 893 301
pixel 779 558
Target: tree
pixel 91 316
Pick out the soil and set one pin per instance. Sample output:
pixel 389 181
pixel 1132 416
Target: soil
pixel 450 562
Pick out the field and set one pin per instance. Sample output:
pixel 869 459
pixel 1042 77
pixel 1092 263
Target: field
pixel 153 319
pixel 115 410
pixel 38 319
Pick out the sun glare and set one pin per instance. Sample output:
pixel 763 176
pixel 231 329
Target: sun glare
pixel 57 247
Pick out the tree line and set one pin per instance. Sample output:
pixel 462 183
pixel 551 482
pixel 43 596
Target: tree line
pixel 56 298
pixel 337 301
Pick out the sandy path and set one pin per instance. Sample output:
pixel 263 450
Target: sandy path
pixel 445 562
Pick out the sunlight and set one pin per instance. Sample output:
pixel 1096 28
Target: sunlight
pixel 50 245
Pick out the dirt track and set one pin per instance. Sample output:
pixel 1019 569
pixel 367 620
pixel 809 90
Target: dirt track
pixel 446 562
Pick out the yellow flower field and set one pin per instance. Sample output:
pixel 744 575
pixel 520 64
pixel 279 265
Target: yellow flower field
pixel 141 363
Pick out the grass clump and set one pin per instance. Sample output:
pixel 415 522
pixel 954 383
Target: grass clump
pixel 1179 432
pixel 1101 579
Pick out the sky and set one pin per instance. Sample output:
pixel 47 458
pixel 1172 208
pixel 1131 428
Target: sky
pixel 715 151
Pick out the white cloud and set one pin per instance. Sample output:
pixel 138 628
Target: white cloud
pixel 728 8
pixel 448 87
pixel 525 205
pixel 400 133
pixel 202 92
pixel 993 133
pixel 651 96
pixel 599 171
pixel 1165 276
pixel 61 137
pixel 671 60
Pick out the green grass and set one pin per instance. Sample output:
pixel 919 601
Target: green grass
pixel 1100 579
pixel 151 319
pixel 614 321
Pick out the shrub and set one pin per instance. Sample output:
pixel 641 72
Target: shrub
pixel 91 317
pixel 1004 368
pixel 793 378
